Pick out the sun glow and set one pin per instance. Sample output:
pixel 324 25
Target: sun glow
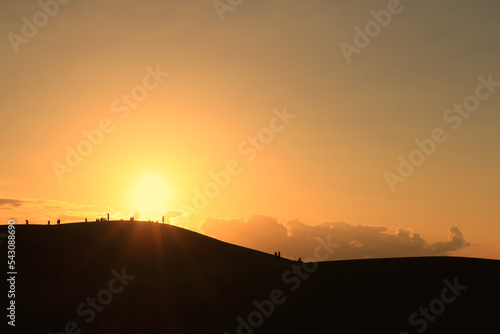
pixel 150 195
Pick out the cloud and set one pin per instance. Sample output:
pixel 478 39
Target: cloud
pixel 11 202
pixel 455 241
pixel 296 239
pixel 172 214
pixel 258 232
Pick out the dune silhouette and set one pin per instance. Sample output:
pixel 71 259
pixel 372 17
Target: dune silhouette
pixel 153 278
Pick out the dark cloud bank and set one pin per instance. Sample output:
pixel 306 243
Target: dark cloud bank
pixel 7 202
pixel 295 239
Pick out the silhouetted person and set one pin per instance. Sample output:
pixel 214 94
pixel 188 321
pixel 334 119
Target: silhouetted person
pixel 27 222
pixel 279 254
pixel 59 222
pixel 275 254
pixel 108 217
pixel 48 223
pixel 85 219
pixel 299 260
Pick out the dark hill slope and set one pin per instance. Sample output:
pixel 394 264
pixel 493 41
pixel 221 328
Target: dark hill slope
pixel 185 282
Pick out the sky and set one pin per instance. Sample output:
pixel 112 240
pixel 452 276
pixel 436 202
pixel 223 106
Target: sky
pixel 268 124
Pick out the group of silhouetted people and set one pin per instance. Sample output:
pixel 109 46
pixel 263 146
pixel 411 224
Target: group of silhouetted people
pixel 278 255
pixel 48 223
pixel 102 219
pixel 58 222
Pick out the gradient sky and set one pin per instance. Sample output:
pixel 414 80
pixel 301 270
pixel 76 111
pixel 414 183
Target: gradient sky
pixel 227 80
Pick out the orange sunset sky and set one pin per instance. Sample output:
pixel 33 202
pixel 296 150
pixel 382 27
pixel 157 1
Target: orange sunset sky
pixel 310 127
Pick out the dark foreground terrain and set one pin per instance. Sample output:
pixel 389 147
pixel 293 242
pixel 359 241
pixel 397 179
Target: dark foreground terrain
pixel 138 277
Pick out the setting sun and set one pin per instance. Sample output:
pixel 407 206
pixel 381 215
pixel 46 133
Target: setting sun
pixel 150 194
